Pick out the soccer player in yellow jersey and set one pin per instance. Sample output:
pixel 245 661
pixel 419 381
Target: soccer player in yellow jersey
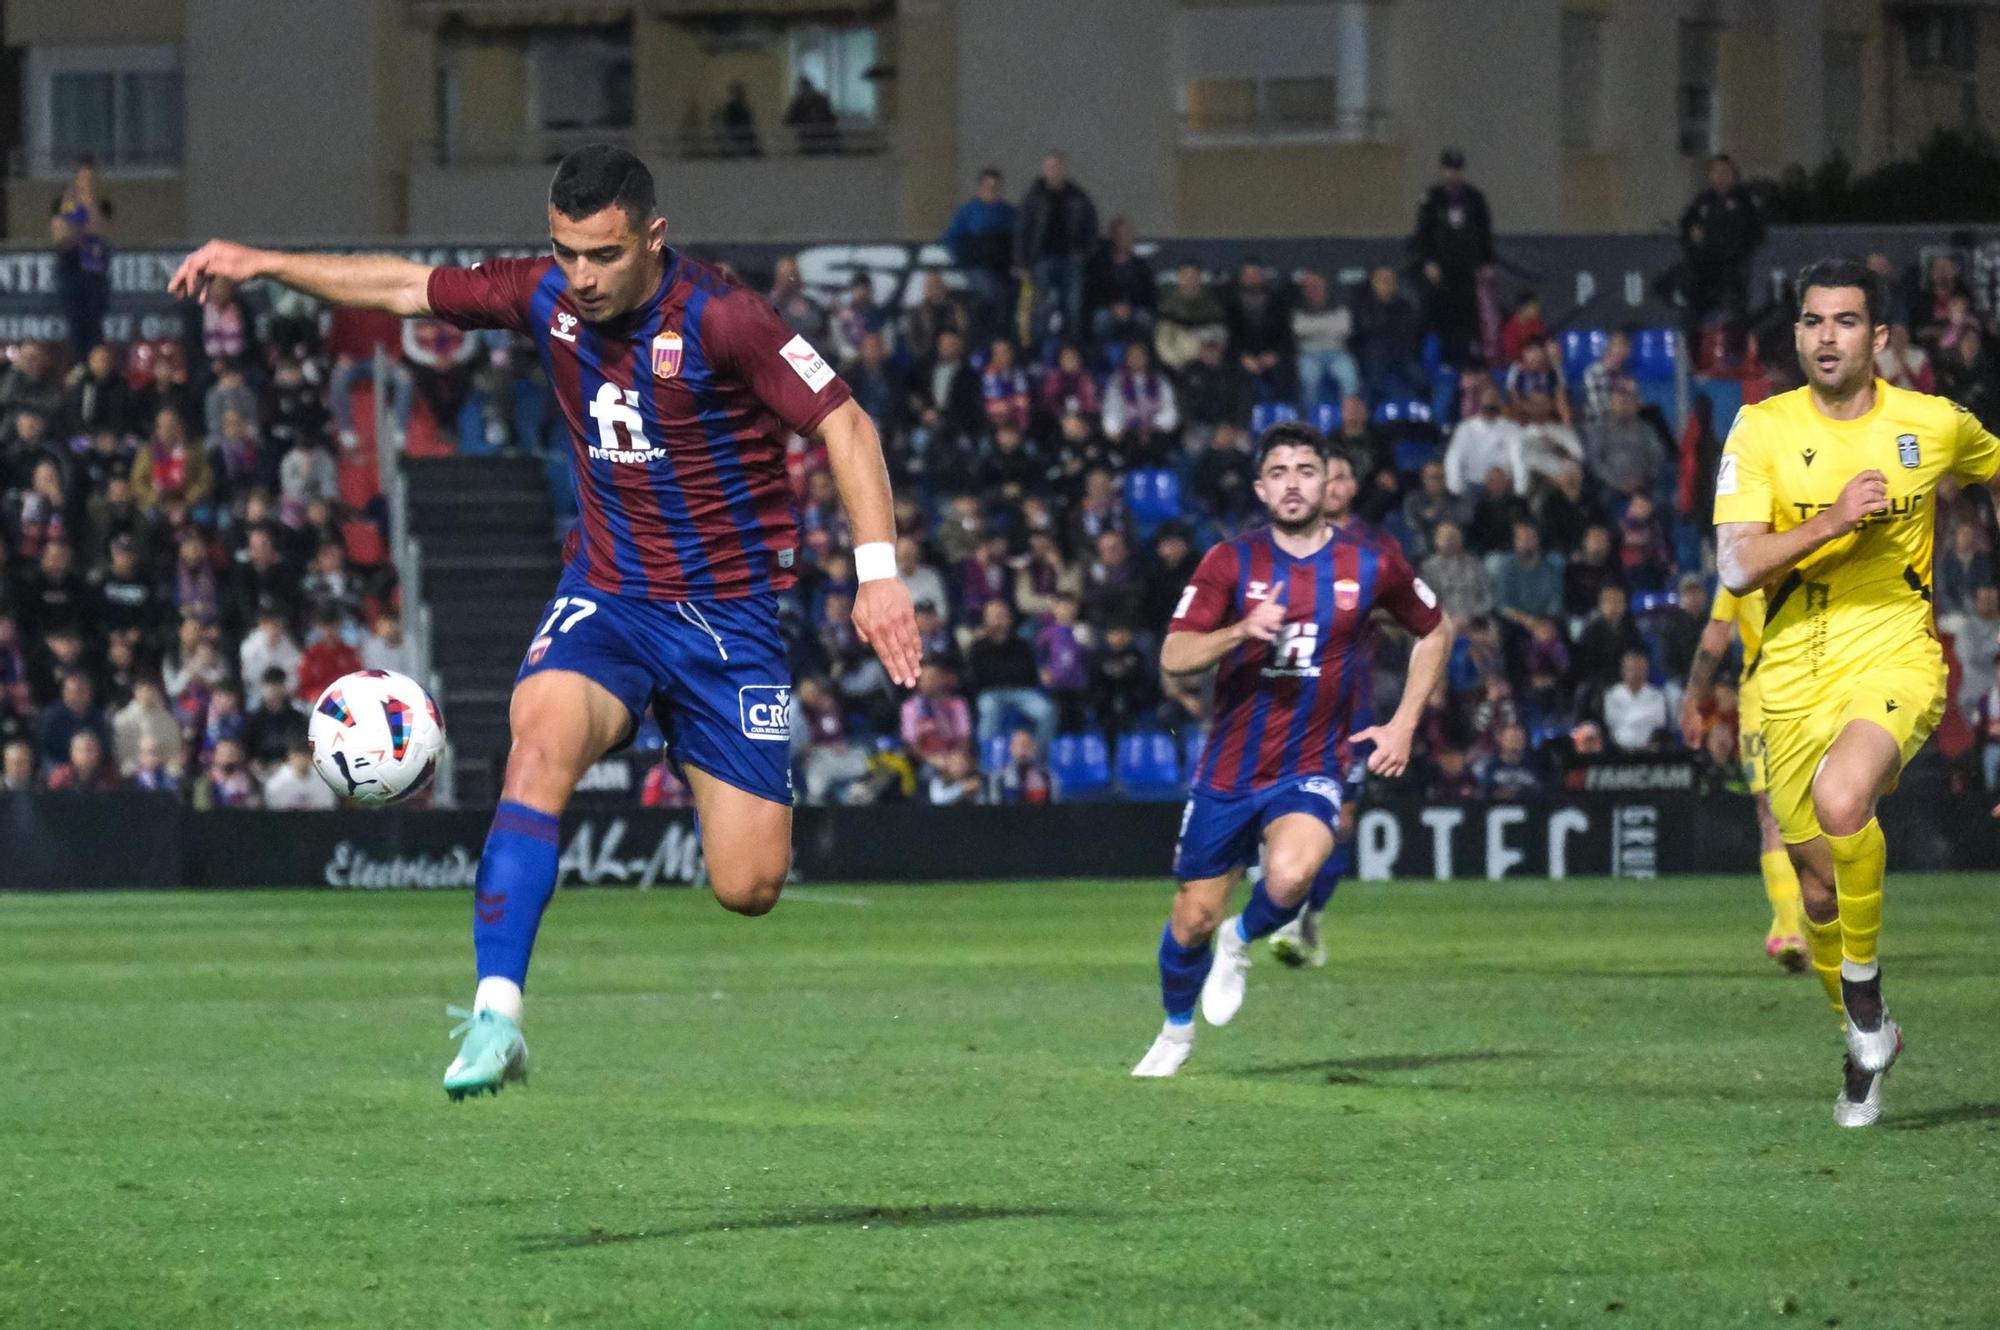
pixel 1824 499
pixel 1744 615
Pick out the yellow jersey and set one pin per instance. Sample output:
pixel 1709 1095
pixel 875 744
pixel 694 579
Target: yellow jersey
pixel 1865 597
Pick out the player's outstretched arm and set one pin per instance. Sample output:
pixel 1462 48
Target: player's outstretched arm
pixel 1393 737
pixel 1749 555
pixel 883 617
pixel 359 281
pixel 1708 655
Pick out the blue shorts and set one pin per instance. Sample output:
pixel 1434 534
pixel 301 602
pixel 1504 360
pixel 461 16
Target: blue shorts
pixel 714 671
pixel 1223 832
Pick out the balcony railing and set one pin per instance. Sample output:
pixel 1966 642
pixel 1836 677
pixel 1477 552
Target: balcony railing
pixel 855 139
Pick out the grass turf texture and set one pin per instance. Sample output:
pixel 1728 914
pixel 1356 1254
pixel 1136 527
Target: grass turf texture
pixel 1510 1105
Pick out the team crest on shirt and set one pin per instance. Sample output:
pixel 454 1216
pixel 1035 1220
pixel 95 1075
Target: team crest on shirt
pixel 666 355
pixel 1346 594
pixel 539 648
pixel 1906 450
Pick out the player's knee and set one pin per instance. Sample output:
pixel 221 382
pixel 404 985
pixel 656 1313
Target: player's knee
pixel 1195 917
pixel 750 890
pixel 1841 811
pixel 537 773
pixel 1288 876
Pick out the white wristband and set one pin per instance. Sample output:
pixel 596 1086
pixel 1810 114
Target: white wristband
pixel 874 561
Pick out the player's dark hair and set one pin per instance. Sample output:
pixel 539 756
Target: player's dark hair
pixel 598 176
pixel 1833 274
pixel 1289 434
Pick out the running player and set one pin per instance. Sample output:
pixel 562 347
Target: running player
pixel 1824 498
pixel 1300 944
pixel 1744 615
pixel 680 389
pixel 1282 613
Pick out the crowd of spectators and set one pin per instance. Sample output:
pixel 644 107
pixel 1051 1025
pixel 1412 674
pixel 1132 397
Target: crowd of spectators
pixel 1067 429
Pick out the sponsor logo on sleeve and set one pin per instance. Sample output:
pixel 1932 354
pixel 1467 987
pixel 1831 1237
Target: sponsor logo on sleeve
pixel 807 363
pixel 766 711
pixel 1425 594
pixel 1725 475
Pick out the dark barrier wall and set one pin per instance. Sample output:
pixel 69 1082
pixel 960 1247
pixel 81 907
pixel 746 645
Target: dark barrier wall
pixel 1593 278
pixel 59 842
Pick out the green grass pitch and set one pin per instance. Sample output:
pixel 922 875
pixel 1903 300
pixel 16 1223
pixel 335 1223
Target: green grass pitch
pixel 1510 1105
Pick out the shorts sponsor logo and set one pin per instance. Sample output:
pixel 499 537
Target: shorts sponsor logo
pixel 539 648
pixel 807 363
pixel 1324 786
pixel 766 711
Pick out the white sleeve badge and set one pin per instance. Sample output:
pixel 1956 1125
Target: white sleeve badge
pixel 1425 594
pixel 807 363
pixel 1725 475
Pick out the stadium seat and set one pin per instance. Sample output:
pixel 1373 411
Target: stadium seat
pixel 1413 454
pixel 1266 414
pixel 1148 764
pixel 1655 354
pixel 1081 763
pixel 994 755
pixel 1403 411
pixel 1153 494
pixel 1326 419
pixel 1444 395
pixel 1581 348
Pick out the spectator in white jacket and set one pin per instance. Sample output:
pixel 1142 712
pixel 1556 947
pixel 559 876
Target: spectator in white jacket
pixel 1634 710
pixel 1482 442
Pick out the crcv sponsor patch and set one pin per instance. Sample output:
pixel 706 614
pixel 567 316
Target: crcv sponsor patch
pixel 767 711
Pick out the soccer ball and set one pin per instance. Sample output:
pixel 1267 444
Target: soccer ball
pixel 375 736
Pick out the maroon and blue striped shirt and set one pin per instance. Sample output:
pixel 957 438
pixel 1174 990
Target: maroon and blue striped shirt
pixel 678 415
pixel 1285 709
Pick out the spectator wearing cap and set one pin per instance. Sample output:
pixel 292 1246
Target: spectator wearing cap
pixel 1190 313
pixel 980 237
pixel 292 785
pixel 86 769
pixel 74 711
pixel 1452 243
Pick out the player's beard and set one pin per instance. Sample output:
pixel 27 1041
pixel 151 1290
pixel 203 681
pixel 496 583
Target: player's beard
pixel 1305 526
pixel 1853 377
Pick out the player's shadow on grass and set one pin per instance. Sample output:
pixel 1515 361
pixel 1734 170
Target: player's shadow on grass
pixel 1354 1071
pixel 820 1216
pixel 1946 1117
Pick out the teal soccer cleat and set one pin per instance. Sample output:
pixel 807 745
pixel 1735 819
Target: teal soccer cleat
pixel 492 1055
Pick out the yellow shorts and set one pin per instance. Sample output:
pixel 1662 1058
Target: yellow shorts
pixel 1907 700
pixel 1750 735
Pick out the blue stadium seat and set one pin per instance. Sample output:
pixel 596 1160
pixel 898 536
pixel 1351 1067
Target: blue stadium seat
pixel 1154 495
pixel 1653 602
pixel 1403 411
pixel 994 755
pixel 1444 395
pixel 1326 419
pixel 1432 353
pixel 1081 763
pixel 1413 454
pixel 1581 348
pixel 1266 414
pixel 1148 764
pixel 1655 352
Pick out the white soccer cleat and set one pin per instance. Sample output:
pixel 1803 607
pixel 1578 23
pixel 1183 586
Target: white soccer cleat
pixel 1222 994
pixel 1169 1050
pixel 1860 1101
pixel 1875 1051
pixel 1299 944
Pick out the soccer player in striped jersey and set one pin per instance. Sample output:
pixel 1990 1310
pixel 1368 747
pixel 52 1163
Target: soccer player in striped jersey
pixel 1744 615
pixel 680 389
pixel 1282 615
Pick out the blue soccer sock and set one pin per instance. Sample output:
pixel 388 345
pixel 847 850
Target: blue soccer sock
pixel 1183 970
pixel 1330 873
pixel 1264 916
pixel 517 875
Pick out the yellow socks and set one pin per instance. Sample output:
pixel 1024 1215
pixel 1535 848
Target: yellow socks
pixel 1857 878
pixel 1823 942
pixel 1781 884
